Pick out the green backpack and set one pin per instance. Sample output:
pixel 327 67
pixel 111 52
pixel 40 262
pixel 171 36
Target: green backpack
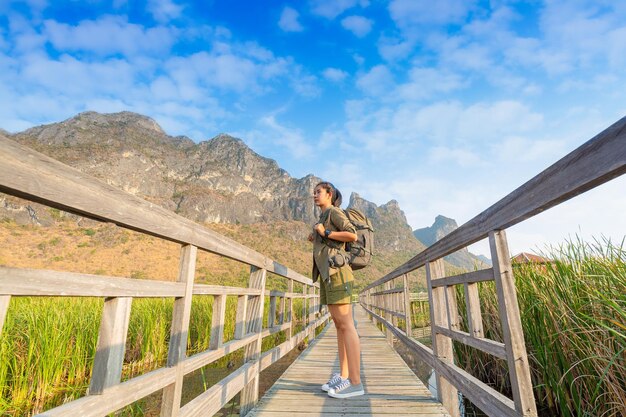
pixel 360 252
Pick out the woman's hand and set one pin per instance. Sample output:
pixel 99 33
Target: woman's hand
pixel 319 229
pixel 311 237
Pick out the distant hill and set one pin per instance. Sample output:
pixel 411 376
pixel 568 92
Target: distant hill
pixel 218 181
pixel 462 258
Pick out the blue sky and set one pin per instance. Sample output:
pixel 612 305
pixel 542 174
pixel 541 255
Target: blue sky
pixel 445 106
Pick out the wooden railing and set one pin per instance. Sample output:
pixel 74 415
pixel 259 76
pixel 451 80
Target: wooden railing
pixel 28 174
pixel 387 300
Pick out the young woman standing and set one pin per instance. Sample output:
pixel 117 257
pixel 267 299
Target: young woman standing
pixel 329 236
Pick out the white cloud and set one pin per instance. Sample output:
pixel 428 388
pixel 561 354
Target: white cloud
pixel 109 35
pixel 424 82
pixel 458 156
pixel 376 81
pixel 290 139
pixel 407 13
pixel 334 74
pixel 164 11
pixel 330 9
pixel 289 20
pixel 358 25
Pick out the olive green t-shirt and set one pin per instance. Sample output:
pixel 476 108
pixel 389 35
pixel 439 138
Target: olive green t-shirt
pixel 334 219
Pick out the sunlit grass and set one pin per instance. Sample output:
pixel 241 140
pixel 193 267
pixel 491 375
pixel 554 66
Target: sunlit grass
pixel 573 313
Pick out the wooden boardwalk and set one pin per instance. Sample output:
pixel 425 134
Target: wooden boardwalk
pixel 391 388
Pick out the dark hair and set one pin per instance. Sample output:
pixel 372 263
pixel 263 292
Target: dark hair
pixel 335 194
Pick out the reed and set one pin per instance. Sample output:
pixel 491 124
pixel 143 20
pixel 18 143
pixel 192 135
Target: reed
pixel 48 346
pixel 573 313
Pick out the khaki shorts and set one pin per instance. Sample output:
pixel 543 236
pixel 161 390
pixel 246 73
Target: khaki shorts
pixel 339 289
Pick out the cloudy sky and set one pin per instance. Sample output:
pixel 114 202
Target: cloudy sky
pixel 444 106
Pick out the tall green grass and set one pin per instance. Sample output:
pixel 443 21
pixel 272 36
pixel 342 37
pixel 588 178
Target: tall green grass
pixel 573 313
pixel 48 345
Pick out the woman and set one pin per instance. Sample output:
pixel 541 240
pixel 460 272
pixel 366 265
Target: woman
pixel 329 237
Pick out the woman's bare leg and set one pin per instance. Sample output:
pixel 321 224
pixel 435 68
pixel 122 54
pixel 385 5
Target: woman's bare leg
pixel 342 316
pixel 341 351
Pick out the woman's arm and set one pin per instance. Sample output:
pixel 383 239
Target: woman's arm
pixel 340 236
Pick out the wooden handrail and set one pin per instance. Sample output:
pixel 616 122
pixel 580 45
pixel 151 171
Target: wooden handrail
pixel 31 175
pixel 34 176
pixel 597 161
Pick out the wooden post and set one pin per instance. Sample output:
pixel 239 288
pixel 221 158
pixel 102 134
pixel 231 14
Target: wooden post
pixel 304 305
pixel 281 310
pixel 107 366
pixel 290 316
pixel 242 312
pixel 517 359
pixel 271 316
pixel 408 316
pixel 474 315
pixel 250 393
pixel 5 300
pixel 170 404
pixel 217 322
pixel 452 308
pixel 388 316
pixel 442 345
pixel 312 313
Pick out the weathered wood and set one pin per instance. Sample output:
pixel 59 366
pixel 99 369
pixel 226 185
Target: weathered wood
pixel 442 345
pixel 408 315
pixel 388 308
pixel 107 367
pixel 513 334
pixel 217 322
pixel 595 162
pixel 452 308
pixel 115 397
pixel 486 345
pixel 271 316
pixel 250 392
pixel 5 300
pixel 281 310
pixel 203 289
pixel 290 316
pixel 179 332
pixel 391 388
pixel 39 282
pixel 486 398
pixel 213 399
pixel 391 291
pixel 28 174
pixel 474 314
pixel 475 276
pixel 242 313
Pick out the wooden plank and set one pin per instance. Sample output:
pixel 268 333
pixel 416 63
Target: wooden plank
pixel 5 300
pixel 290 313
pixel 203 289
pixel 391 388
pixel 217 322
pixel 40 282
pixel 486 345
pixel 474 314
pixel 28 174
pixel 250 392
pixel 390 291
pixel 483 396
pixel 597 161
pixel 115 397
pixel 474 276
pixel 452 308
pixel 408 315
pixel 107 367
pixel 242 313
pixel 513 334
pixel 179 331
pixel 271 316
pixel 216 397
pixel 442 346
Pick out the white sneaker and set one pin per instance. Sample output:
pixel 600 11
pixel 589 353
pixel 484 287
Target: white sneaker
pixel 345 389
pixel 334 380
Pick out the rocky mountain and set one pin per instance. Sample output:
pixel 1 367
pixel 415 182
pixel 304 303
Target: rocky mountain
pixel 220 180
pixel 442 227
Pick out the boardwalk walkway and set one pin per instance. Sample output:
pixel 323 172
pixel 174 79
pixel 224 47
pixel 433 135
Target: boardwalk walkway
pixel 391 387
